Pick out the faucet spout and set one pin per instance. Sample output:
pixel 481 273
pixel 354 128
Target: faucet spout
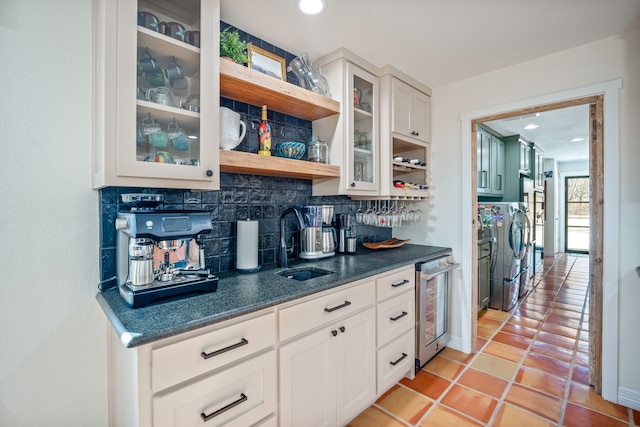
pixel 282 258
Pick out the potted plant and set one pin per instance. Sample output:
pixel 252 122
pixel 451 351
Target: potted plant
pixel 232 47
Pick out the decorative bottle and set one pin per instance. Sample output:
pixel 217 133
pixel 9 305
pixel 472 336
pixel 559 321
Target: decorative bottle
pixel 264 134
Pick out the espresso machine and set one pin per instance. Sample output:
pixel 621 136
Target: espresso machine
pixel 318 237
pixel 345 224
pixel 161 254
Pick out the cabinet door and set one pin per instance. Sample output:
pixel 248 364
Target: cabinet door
pixel 181 146
pixel 483 162
pixel 307 381
pixel 401 107
pixel 525 157
pixel 421 125
pixel 497 166
pixel 362 133
pixel 355 365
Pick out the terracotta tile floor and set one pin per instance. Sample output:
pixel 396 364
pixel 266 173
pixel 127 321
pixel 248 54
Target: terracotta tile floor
pixel 531 368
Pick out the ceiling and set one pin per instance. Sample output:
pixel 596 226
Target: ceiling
pixel 554 133
pixel 443 41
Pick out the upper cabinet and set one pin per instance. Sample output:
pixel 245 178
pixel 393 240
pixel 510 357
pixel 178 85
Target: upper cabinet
pixel 157 94
pixel 490 164
pixel 410 111
pixel 352 136
pixel 537 172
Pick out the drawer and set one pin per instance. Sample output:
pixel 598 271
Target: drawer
pixel 395 360
pixel 394 317
pixel 395 283
pixel 239 396
pixel 316 312
pixel 183 360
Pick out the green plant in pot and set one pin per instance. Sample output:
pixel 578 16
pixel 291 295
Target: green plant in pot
pixel 232 47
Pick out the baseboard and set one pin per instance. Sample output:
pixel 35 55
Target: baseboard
pixel 629 398
pixel 454 343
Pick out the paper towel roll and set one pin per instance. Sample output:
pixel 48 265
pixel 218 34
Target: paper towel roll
pixel 247 247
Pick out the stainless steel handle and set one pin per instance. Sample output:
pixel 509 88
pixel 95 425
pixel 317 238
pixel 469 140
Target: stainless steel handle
pixel 483 179
pixel 499 181
pixel 404 355
pixel 399 316
pixel 338 307
pixel 404 282
pixel 431 275
pixel 205 417
pixel 206 355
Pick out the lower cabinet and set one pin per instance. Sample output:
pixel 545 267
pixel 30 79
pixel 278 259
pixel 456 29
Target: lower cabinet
pixel 327 377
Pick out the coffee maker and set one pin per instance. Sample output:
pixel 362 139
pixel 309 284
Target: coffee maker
pixel 345 224
pixel 161 254
pixel 317 237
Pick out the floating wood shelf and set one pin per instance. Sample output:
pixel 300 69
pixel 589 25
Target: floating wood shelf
pixel 253 164
pixel 245 85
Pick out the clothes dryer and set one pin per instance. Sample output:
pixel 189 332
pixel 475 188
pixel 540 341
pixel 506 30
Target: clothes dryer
pixel 510 227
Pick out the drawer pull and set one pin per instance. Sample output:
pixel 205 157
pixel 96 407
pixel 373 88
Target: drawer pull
pixel 399 316
pixel 404 282
pixel 404 355
pixel 205 417
pixel 338 307
pixel 206 356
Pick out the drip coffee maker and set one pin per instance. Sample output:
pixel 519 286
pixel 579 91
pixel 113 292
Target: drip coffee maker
pixel 161 253
pixel 318 237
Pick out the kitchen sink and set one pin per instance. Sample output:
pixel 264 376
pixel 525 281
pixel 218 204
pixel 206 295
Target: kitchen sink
pixel 303 273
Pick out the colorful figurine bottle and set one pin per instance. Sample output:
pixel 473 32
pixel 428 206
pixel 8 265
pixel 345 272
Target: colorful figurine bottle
pixel 264 133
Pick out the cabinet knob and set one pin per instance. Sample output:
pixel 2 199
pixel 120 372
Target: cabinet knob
pixel 209 173
pixel 334 332
pixel 353 184
pixel 342 329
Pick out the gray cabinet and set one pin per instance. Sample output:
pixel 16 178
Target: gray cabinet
pixel 484 274
pixel 490 164
pixel 537 163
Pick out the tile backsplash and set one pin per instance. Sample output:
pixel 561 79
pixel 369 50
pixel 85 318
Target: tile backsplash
pixel 240 196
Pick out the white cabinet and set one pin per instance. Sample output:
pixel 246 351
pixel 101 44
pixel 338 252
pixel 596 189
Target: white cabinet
pixel 226 375
pixel 395 325
pixel 327 373
pixel 405 132
pixel 490 164
pixel 352 136
pixel 133 93
pixel 410 111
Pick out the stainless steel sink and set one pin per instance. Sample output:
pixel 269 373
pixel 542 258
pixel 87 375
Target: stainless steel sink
pixel 303 273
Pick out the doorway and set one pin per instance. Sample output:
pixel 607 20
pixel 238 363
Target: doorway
pixel 576 218
pixel 595 218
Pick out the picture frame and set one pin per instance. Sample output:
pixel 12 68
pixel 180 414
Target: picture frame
pixel 266 62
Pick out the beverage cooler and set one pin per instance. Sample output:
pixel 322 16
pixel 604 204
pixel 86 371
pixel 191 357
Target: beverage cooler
pixel 432 307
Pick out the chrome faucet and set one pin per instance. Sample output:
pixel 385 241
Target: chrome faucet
pixel 282 258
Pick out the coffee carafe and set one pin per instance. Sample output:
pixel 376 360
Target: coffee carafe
pixel 318 237
pixel 345 224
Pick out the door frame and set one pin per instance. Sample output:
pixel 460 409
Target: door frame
pixel 607 269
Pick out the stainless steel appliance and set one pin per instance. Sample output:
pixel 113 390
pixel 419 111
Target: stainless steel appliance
pixel 510 223
pixel 432 307
pixel 526 205
pixel 317 237
pixel 345 224
pixel 160 254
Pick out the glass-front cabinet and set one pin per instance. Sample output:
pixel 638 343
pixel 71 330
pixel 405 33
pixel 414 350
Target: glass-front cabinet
pixel 362 151
pixel 158 73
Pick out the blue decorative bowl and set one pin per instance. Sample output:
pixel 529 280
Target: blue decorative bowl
pixel 291 150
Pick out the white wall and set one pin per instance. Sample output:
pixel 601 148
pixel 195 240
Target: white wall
pixel 601 61
pixel 53 334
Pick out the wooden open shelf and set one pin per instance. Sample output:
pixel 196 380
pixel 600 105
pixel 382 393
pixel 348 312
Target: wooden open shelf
pixel 254 164
pixel 245 85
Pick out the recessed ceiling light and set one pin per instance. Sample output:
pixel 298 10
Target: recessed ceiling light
pixel 311 7
pixel 577 139
pixel 531 126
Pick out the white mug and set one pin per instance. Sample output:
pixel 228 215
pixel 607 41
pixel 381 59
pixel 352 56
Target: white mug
pixel 232 129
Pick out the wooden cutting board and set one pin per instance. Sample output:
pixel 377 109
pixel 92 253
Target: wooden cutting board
pixel 386 244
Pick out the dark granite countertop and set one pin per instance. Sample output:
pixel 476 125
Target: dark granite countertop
pixel 240 294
